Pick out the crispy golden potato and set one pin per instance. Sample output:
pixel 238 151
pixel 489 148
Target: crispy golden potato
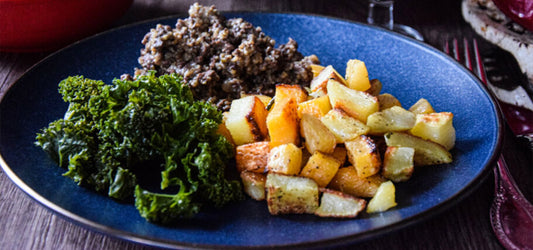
pixel 357 75
pixel 436 127
pixel 282 123
pixel 426 152
pixel 364 155
pixel 318 106
pixel 375 87
pixel 339 205
pixel 384 199
pixel 319 83
pixel 286 91
pixel 398 163
pixel 357 104
pixel 346 180
pixel 291 194
pixel 316 69
pixel 285 159
pixel 422 106
pixel 246 120
pixel 254 184
pixel 387 100
pixel 252 156
pixel 317 135
pixel 340 154
pixel 343 126
pixel 321 168
pixel 392 119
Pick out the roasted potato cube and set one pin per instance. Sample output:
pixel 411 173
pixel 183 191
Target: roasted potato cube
pixel 286 91
pixel 246 120
pixel 285 159
pixel 422 106
pixel 384 199
pixel 321 168
pixel 340 154
pixel 426 152
pixel 291 194
pixel 387 101
pixel 357 104
pixel 398 163
pixel 282 123
pixel 316 69
pixel 392 119
pixel 254 184
pixel 436 127
pixel 375 87
pixel 264 98
pixel 223 130
pixel 346 180
pixel 317 135
pixel 343 126
pixel 252 156
pixel 357 75
pixel 340 205
pixel 319 83
pixel 318 106
pixel 363 154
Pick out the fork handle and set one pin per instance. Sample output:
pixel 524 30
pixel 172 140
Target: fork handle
pixel 511 213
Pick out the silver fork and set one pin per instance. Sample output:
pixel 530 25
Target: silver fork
pixel 511 213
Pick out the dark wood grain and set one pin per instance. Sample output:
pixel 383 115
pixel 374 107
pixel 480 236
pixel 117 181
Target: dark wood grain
pixel 24 224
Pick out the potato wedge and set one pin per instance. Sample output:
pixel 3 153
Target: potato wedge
pixel 317 135
pixel 384 199
pixel 252 156
pixel 363 154
pixel 246 120
pixel 422 106
pixel 316 69
pixel 346 180
pixel 291 194
pixel 339 205
pixel 318 106
pixel 426 152
pixel 319 83
pixel 357 104
pixel 357 75
pixel 285 159
pixel 392 119
pixel 321 168
pixel 436 127
pixel 254 184
pixel 282 123
pixel 343 126
pixel 387 100
pixel 287 91
pixel 398 163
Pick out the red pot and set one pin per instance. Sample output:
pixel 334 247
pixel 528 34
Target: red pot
pixel 39 25
pixel 520 11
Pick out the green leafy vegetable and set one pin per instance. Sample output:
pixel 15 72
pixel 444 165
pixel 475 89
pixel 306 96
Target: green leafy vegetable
pixel 113 138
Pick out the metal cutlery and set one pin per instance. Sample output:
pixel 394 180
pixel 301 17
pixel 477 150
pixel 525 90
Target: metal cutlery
pixel 511 213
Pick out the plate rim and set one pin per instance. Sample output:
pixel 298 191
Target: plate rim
pixel 444 205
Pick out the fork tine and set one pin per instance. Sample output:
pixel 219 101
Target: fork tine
pixel 468 58
pixel 479 63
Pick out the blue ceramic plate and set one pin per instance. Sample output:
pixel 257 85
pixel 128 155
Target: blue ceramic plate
pixel 408 69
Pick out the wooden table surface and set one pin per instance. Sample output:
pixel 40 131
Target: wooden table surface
pixel 25 224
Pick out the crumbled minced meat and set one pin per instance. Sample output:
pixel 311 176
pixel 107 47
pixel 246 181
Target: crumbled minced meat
pixel 222 58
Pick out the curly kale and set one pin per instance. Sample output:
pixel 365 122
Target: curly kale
pixel 113 138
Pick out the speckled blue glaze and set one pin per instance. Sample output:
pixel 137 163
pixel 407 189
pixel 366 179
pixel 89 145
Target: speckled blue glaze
pixel 408 69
